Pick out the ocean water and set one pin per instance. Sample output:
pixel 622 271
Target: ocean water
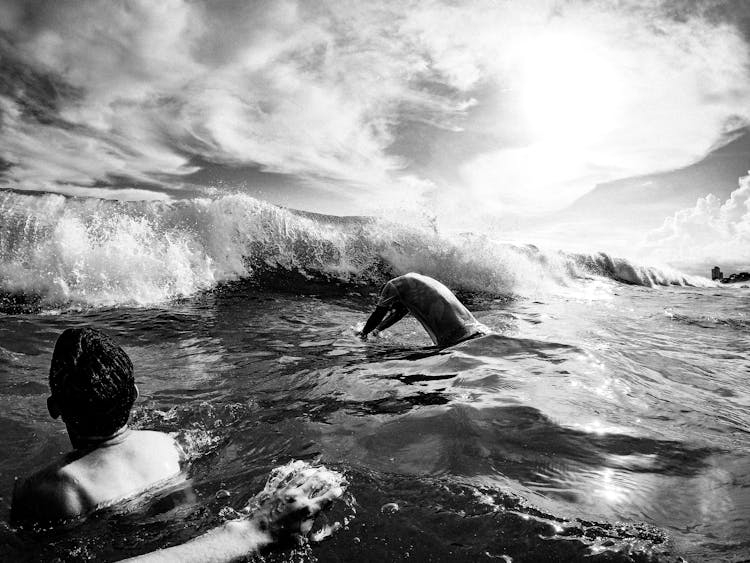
pixel 608 418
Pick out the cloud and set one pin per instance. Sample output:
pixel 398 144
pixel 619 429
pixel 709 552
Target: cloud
pixel 294 88
pixel 605 91
pixel 711 233
pixel 562 95
pixel 48 157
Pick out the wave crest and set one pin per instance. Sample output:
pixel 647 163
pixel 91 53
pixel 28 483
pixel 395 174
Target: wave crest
pixel 62 250
pixel 626 271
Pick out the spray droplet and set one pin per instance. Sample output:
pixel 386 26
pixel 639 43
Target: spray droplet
pixel 222 493
pixel 389 508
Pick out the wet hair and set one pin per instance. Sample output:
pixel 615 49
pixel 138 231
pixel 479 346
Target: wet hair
pixel 91 379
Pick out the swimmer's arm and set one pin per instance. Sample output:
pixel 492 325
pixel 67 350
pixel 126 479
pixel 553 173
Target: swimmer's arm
pixel 374 320
pixel 229 542
pixel 397 313
pixel 289 510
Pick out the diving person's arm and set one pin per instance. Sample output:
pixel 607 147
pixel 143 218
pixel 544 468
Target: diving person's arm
pixel 396 314
pixel 377 315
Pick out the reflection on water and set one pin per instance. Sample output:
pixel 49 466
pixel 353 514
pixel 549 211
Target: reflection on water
pixel 589 406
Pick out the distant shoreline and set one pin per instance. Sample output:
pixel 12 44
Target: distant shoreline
pixel 736 278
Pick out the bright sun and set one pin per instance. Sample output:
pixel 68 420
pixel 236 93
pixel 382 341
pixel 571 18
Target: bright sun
pixel 570 89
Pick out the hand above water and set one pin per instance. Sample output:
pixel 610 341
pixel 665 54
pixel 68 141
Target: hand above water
pixel 375 334
pixel 294 495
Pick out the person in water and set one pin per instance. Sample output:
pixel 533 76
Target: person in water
pixel 93 391
pixel 435 306
pixel 92 388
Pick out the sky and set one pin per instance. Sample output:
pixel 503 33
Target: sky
pixel 582 124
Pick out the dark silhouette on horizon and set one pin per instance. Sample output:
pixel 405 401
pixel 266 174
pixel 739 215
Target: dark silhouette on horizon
pixel 716 274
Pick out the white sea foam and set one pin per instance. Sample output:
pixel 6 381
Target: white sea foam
pixel 98 253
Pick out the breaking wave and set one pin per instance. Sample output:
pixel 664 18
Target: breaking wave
pixel 58 250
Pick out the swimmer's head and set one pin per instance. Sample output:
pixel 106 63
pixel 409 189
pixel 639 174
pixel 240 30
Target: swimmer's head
pixel 92 383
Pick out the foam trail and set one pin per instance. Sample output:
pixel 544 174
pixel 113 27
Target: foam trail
pixel 92 252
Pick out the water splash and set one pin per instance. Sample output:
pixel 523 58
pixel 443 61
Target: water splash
pixel 56 250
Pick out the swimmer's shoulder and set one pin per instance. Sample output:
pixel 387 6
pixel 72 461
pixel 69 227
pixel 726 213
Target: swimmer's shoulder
pixel 50 495
pixel 154 437
pixel 161 447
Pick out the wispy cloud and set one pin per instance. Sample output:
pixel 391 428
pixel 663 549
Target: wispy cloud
pixel 527 104
pixel 294 88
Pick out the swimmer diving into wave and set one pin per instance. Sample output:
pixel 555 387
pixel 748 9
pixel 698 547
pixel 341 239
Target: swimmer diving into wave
pixel 435 306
